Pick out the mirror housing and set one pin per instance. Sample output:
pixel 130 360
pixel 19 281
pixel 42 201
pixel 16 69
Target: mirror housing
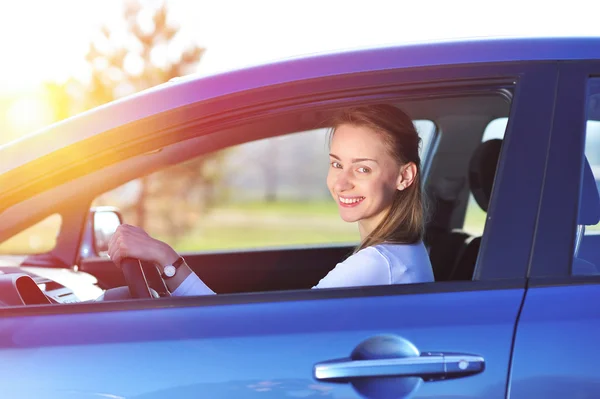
pixel 101 224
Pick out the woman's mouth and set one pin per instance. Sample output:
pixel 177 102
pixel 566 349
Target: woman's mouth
pixel 349 202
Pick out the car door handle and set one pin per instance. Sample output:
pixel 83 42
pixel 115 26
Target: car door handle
pixel 429 366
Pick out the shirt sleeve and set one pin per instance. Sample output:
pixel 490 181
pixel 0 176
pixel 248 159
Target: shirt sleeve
pixel 366 267
pixel 192 286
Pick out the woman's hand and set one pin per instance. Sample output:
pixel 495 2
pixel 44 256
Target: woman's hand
pixel 133 242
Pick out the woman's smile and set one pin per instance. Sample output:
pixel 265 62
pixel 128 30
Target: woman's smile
pixel 349 202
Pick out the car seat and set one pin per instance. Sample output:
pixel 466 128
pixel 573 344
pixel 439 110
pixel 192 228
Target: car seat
pixel 454 253
pixel 482 171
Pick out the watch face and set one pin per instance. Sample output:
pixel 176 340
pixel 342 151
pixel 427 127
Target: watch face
pixel 170 270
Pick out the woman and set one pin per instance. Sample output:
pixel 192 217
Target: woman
pixel 375 178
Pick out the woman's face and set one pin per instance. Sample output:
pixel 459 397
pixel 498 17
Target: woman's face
pixel 363 177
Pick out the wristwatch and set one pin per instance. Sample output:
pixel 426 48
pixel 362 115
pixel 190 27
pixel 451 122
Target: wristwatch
pixel 170 270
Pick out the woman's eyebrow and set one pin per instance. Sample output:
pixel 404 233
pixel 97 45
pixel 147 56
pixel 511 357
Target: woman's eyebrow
pixel 354 160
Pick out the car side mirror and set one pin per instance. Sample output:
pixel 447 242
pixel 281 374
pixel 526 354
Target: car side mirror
pixel 105 222
pixel 101 225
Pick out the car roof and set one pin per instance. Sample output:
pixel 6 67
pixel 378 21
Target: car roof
pixel 194 88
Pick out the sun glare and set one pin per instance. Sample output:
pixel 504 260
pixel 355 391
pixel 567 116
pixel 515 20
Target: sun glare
pixel 57 50
pixel 29 114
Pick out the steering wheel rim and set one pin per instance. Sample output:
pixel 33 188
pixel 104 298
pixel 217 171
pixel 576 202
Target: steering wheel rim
pixel 135 278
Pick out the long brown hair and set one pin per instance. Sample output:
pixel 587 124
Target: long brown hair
pixel 405 222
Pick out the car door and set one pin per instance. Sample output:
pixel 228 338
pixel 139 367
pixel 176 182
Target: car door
pixel 450 339
pixel 556 343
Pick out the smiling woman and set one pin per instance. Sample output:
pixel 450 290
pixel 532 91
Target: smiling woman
pixel 385 177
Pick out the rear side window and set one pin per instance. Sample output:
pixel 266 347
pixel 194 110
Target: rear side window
pixel 586 253
pixel 592 153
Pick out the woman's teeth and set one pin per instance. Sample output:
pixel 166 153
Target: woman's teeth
pixel 351 200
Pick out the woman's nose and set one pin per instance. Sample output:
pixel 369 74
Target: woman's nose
pixel 343 182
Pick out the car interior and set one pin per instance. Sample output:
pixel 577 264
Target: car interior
pixel 459 160
pixel 459 165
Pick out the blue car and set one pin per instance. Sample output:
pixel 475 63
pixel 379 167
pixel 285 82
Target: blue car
pixel 511 144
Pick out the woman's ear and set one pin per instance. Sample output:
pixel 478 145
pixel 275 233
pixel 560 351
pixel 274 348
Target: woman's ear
pixel 407 176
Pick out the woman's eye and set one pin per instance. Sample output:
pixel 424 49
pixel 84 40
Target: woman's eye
pixel 336 165
pixel 363 170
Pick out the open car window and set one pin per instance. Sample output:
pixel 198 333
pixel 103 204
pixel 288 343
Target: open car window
pixel 265 193
pixel 270 195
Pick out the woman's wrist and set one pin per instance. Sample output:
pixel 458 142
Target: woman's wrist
pixel 165 255
pixel 182 273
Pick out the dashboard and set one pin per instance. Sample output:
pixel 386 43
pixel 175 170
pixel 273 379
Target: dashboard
pixel 39 286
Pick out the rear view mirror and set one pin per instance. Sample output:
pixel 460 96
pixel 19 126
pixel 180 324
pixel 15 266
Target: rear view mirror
pixel 105 224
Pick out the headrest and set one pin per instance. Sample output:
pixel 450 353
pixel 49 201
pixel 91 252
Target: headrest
pixel 482 169
pixel 589 201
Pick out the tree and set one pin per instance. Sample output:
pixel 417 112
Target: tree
pixel 146 50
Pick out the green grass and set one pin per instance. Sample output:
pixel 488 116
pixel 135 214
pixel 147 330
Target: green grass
pixel 233 238
pixel 474 220
pixel 296 208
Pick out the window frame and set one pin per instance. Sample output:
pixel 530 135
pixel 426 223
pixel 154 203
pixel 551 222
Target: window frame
pixel 552 257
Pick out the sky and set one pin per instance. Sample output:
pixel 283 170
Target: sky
pixel 42 40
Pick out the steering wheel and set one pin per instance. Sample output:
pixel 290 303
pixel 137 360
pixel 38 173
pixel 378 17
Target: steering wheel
pixel 135 278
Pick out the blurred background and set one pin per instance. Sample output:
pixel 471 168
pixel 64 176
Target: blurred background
pixel 62 57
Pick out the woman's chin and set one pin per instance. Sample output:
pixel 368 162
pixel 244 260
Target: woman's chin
pixel 348 218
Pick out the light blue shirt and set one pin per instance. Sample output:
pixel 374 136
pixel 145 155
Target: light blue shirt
pixel 381 264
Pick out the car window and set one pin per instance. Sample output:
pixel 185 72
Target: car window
pixel 36 239
pixel 427 131
pixel 592 153
pixel 474 221
pixel 265 193
pixel 586 259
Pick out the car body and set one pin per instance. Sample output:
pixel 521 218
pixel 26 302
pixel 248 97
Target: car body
pixel 519 324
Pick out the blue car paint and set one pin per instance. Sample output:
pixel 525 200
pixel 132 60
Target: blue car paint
pixel 264 350
pixel 556 347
